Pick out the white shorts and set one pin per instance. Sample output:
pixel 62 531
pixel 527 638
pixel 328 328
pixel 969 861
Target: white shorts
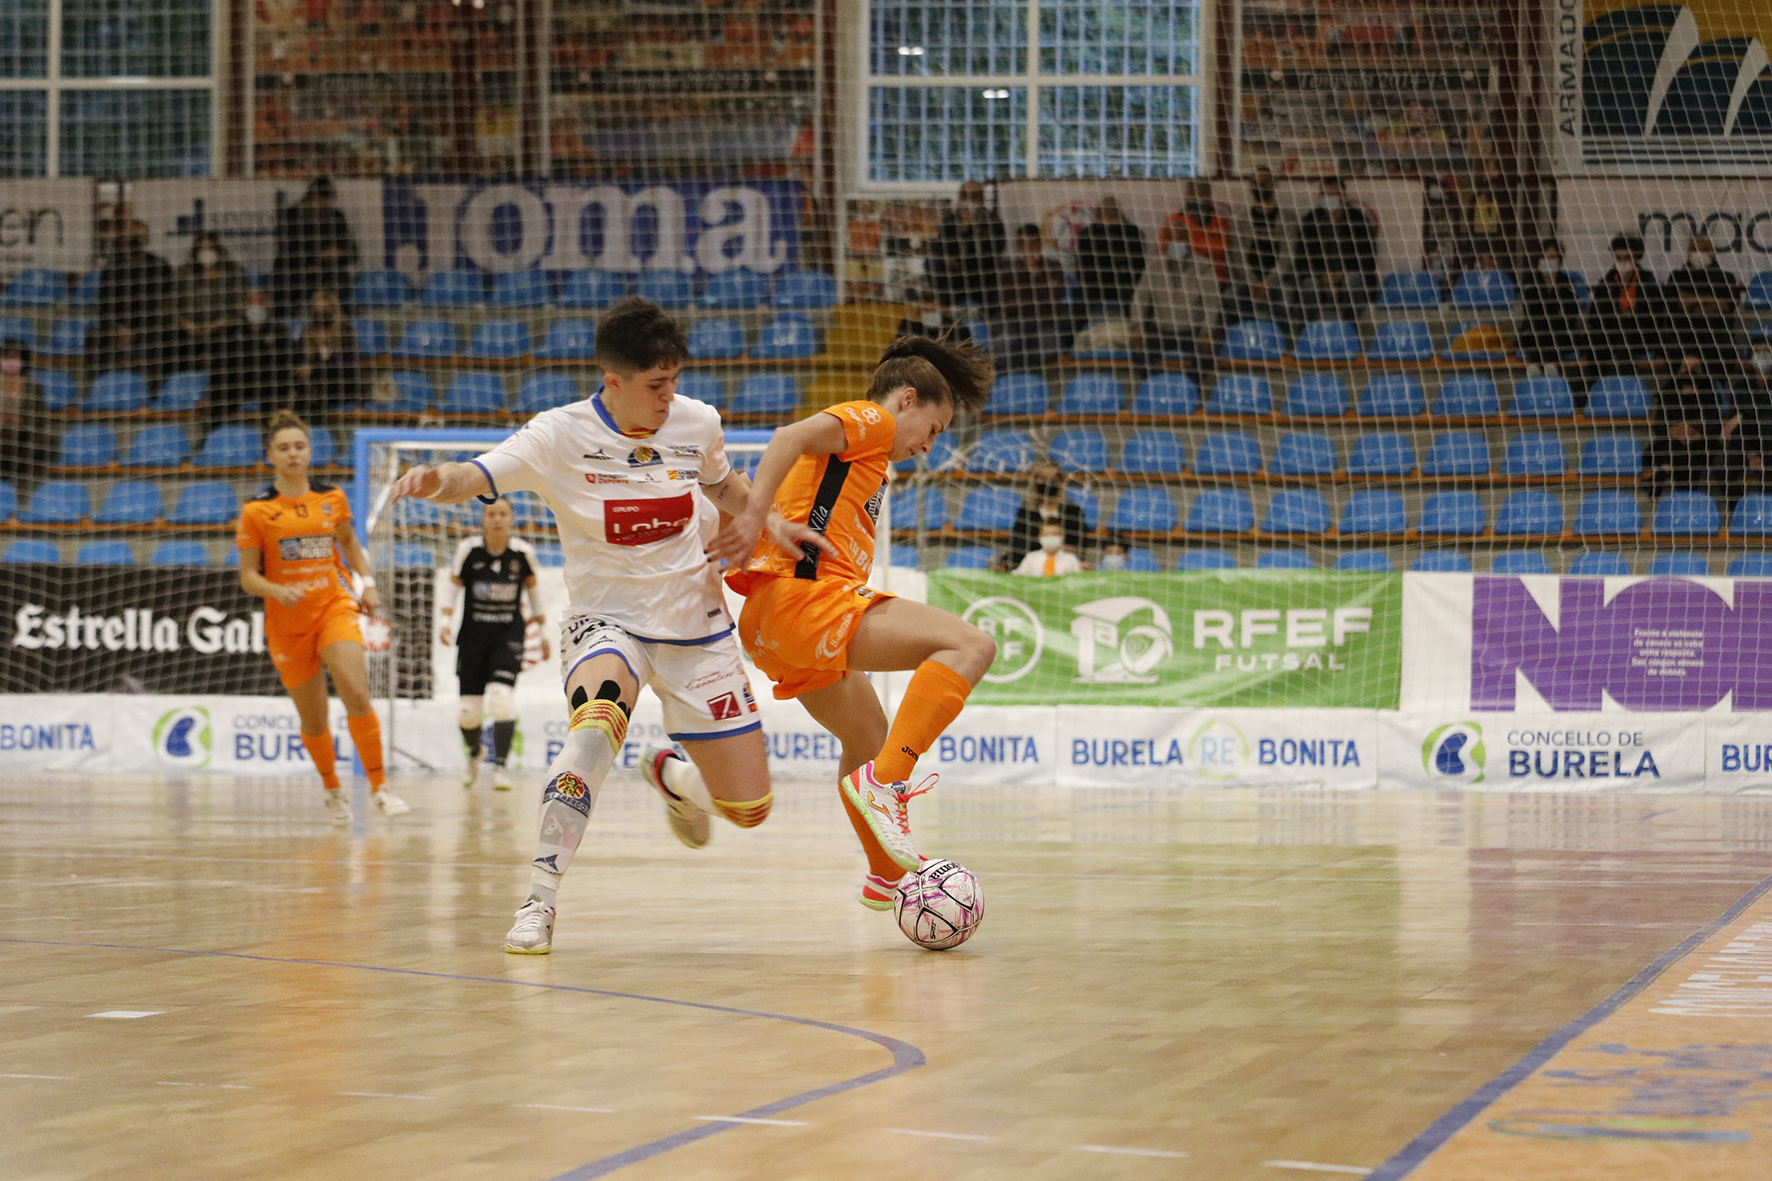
pixel 702 684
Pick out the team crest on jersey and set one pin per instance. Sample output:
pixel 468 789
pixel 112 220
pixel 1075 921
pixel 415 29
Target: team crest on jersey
pixel 685 452
pixel 644 457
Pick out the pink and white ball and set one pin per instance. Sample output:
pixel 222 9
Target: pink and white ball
pixel 939 905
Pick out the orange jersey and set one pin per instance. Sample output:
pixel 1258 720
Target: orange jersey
pixel 295 538
pixel 838 495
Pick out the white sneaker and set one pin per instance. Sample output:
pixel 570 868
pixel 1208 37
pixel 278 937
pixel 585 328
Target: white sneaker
pixel 471 774
pixel 883 806
pixel 533 932
pixel 338 805
pixel 693 827
pixel 390 804
pixel 501 778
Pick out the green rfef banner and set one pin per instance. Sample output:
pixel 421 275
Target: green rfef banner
pixel 1293 638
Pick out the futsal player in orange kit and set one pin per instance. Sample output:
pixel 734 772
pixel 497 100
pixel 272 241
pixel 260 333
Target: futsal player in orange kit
pixel 290 538
pixel 812 623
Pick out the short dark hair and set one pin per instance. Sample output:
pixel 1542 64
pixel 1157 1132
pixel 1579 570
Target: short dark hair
pixel 636 335
pixel 1028 230
pixel 1550 244
pixel 321 186
pixel 945 370
pixel 1630 242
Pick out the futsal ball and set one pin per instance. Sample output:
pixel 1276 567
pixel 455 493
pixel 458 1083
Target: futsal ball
pixel 939 905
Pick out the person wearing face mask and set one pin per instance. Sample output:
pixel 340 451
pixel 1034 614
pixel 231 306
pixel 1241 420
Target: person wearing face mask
pixel 24 419
pixel 1685 452
pixel 1113 557
pixel 1199 224
pixel 326 377
pixel 1260 235
pixel 253 361
pixel 1623 322
pixel 133 306
pixel 967 249
pixel 210 296
pixel 1177 307
pixel 314 250
pixel 1335 261
pixel 1550 313
pixel 1702 325
pixel 1045 504
pixel 1033 318
pixel 1051 558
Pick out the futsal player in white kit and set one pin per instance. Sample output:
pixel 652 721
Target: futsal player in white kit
pixel 621 471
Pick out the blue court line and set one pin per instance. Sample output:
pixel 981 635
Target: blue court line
pixel 905 1056
pixel 1443 1129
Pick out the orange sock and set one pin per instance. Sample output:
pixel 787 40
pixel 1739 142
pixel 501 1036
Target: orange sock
pixel 366 734
pixel 932 701
pixel 325 757
pixel 879 864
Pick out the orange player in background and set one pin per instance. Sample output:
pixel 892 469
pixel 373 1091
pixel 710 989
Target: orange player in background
pixel 810 620
pixel 290 538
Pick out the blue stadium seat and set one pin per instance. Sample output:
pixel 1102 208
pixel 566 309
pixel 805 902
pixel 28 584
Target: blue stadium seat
pixel 1240 393
pixel 499 340
pixel 1612 455
pixel 1001 453
pixel 1751 565
pixel 1452 514
pixel 1253 340
pixel 1542 397
pixel 1091 393
pixel 979 330
pixel 590 290
pixel 17 329
pixel 1221 510
pixel 1205 559
pixel 1483 291
pixel 1683 565
pixel 121 391
pixel 1143 510
pixel 427 340
pixel 944 455
pixel 132 502
pixel 59 502
pixel 1752 516
pixel 521 289
pixel 1402 341
pixel 1153 453
pixel 1316 395
pixel 1609 510
pixel 1534 455
pixel 86 291
pixel 32 551
pixel 1328 340
pixel 1392 395
pixel 1016 395
pixel 1532 512
pixel 68 338
pixel 88 446
pixel 1372 513
pixel 414 391
pixel 1520 562
pixel 1285 559
pixel 1461 348
pixel 1079 451
pixel 35 287
pixel 1167 395
pixel 180 553
pixel 1409 290
pixel 1442 561
pixel 734 290
pixel 1759 292
pixel 805 289
pixel 453 289
pixel 1085 500
pixel 703 387
pixel 788 337
pixel 1296 510
pixel 105 553
pixel 181 391
pixel 906 503
pixel 1599 564
pixel 970 557
pixel 1142 561
pixel 1227 453
pixel 474 393
pixel 1686 514
pixel 381 289
pixel 1618 397
pixel 1381 455
pixel 372 337
pixel 1457 453
pixel 8 501
pixel 766 394
pixel 719 339
pixel 1302 454
pixel 322 447
pixel 988 510
pixel 568 340
pixel 667 289
pixel 59 391
pixel 1467 396
pixel 413 555
pixel 545 391
pixel 231 446
pixel 1364 561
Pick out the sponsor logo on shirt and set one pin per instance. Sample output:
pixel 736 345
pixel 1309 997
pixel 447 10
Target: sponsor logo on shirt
pixel 872 508
pixel 305 549
pixel 600 478
pixel 683 474
pixel 725 707
pixel 599 453
pixel 644 457
pixel 685 452
pixel 642 522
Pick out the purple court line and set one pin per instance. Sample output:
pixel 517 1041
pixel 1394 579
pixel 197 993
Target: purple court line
pixel 1441 1130
pixel 905 1056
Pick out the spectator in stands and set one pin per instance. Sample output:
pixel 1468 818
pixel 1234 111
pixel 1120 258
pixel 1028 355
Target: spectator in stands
pixel 1206 231
pixel 134 306
pixel 1110 262
pixel 1177 307
pixel 1490 213
pixel 1030 291
pixel 1622 328
pixel 1113 556
pixel 1045 503
pixel 1702 325
pixel 1752 445
pixel 1687 439
pixel 1051 558
pixel 327 376
pixel 1550 312
pixel 967 250
pixel 24 420
pixel 210 297
pixel 315 250
pixel 924 316
pixel 1259 237
pixel 252 364
pixel 1335 261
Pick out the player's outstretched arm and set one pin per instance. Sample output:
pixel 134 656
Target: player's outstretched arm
pixel 452 483
pixel 822 434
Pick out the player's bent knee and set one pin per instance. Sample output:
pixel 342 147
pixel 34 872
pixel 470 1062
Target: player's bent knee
pixel 501 701
pixel 981 647
pixel 470 713
pixel 746 813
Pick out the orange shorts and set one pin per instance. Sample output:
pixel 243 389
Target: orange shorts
pixel 297 654
pixel 797 630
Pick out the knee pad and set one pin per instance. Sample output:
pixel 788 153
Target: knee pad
pixel 746 813
pixel 470 714
pixel 605 716
pixel 501 701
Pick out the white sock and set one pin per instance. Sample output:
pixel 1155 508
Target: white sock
pixel 684 779
pixel 574 779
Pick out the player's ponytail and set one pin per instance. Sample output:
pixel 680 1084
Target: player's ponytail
pixel 285 420
pixel 962 373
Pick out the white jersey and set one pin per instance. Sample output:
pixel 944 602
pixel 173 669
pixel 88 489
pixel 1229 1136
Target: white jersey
pixel 627 512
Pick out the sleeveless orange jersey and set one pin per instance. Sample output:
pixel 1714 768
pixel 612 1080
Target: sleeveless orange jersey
pixel 838 495
pixel 295 537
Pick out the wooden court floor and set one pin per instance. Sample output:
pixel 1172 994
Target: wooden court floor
pixel 200 978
